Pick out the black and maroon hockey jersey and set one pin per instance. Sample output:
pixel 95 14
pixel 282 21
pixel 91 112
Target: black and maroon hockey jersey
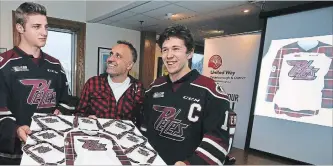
pixel 189 120
pixel 27 87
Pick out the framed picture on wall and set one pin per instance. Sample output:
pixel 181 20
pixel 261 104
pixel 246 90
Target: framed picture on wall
pixel 103 54
pixel 2 50
pixel 161 69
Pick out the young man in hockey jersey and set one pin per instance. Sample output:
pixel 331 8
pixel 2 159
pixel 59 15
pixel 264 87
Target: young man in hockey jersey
pixel 114 94
pixel 187 116
pixel 30 81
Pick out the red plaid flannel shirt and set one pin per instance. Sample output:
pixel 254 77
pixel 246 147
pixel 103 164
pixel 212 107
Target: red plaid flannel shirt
pixel 98 99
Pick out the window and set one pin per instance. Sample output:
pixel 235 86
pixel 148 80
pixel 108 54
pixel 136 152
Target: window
pixel 61 45
pixel 197 62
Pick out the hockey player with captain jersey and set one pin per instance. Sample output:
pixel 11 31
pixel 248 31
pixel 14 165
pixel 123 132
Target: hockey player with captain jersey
pixel 186 116
pixel 30 81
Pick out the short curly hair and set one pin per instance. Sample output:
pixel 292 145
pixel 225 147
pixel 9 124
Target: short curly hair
pixel 179 31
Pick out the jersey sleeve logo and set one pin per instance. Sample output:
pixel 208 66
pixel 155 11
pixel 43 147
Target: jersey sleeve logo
pixel 122 126
pixel 87 121
pixel 42 149
pixel 40 93
pixel 219 89
pixel 143 152
pixel 47 135
pixel 132 138
pixel 302 70
pixel 50 120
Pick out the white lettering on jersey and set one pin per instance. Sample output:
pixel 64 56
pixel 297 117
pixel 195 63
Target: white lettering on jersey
pixel 191 99
pixel 194 107
pixel 1 59
pixel 168 125
pixel 20 68
pixel 158 94
pixel 40 93
pixel 52 71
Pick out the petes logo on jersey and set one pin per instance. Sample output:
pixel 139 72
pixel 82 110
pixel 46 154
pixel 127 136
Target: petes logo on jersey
pixel 1 58
pixel 168 125
pixel 40 93
pixel 158 94
pixel 93 145
pixel 302 70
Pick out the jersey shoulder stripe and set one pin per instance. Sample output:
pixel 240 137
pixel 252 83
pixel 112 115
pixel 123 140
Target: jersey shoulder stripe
pixel 8 56
pixel 51 59
pixel 157 83
pixel 211 86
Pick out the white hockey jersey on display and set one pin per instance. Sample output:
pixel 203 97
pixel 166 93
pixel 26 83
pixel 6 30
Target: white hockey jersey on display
pixel 52 122
pixel 44 154
pixel 51 136
pixel 117 127
pixel 93 149
pixel 301 81
pixel 141 155
pixel 88 124
pixel 130 139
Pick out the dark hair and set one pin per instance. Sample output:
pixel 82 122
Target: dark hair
pixel 179 31
pixel 131 47
pixel 28 8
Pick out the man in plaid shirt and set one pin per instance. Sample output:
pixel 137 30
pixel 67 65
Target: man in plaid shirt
pixel 114 94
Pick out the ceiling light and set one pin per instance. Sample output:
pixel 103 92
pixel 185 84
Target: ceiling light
pixel 246 10
pixel 168 16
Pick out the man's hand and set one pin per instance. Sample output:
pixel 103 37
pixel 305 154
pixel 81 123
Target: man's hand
pixel 22 132
pixel 180 163
pixel 57 112
pixel 92 117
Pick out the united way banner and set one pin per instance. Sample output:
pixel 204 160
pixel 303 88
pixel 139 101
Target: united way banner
pixel 232 62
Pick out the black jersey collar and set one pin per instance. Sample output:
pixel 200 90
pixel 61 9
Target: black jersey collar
pixel 189 77
pixel 24 54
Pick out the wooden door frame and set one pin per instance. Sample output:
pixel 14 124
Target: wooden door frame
pixel 79 28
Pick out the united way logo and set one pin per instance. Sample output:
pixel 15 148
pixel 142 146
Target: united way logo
pixel 215 62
